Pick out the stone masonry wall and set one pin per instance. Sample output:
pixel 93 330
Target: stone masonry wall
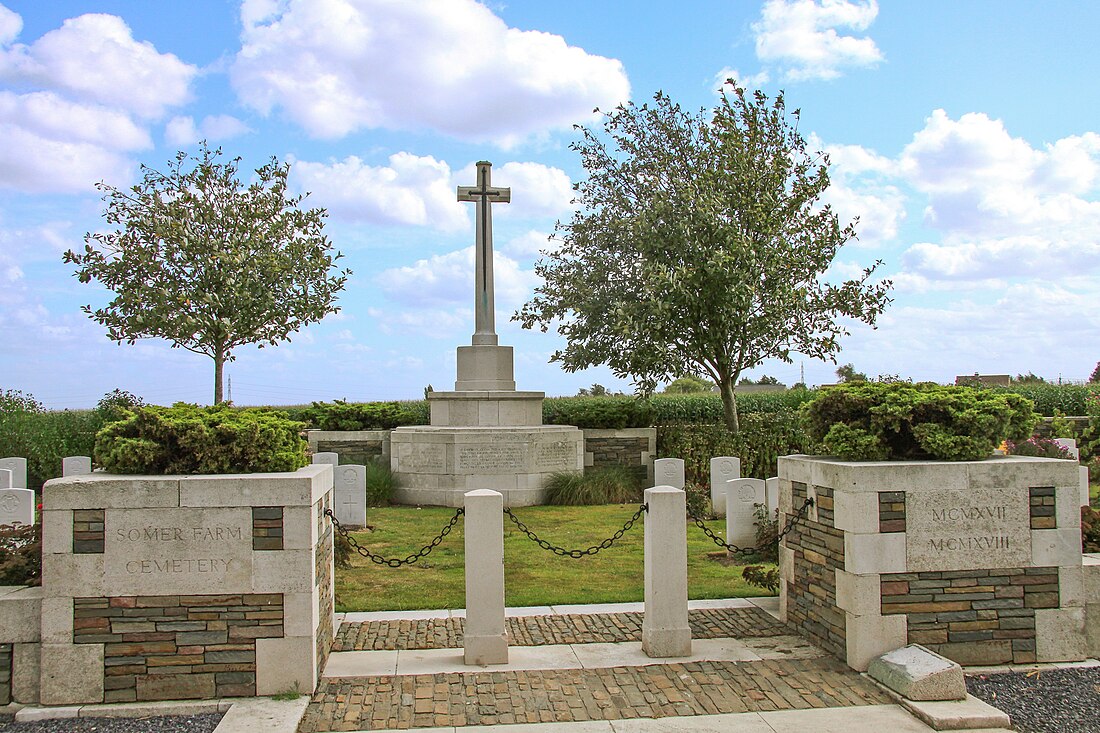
pixel 818 552
pixel 324 581
pixel 632 448
pixel 5 673
pixel 178 647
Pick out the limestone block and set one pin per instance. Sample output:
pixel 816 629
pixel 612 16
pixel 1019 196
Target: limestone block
pixel 742 496
pixel 794 468
pixel 1071 586
pixel 1060 635
pixel 107 491
pixel 867 637
pixel 866 554
pixel 485 367
pixel 771 491
pixel 917 673
pixel 57 619
pixel 786 496
pixel 299 527
pixel 965 530
pixel 811 494
pixel 1092 629
pixel 856 511
pixel 486 637
pixel 76 466
pixel 303 487
pixel 1021 472
pixel 1056 547
pixel 71 674
pixel 73 575
pixel 286 664
pixel 25 672
pixel 57 531
pixel 21 616
pixel 1083 476
pixel 18 468
pixel 722 469
pixel 786 563
pixel 860 595
pixel 282 571
pixel 1066 508
pixel 1090 569
pixel 669 472
pixel 300 614
pixel 783 602
pixel 665 629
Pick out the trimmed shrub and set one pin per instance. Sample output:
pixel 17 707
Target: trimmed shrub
pixel 342 415
pixel 44 438
pixel 380 483
pixel 21 555
pixel 707 408
pixel 613 413
pixel 875 421
pixel 1036 446
pixel 763 438
pixel 1090 529
pixel 190 439
pixel 697 498
pixel 606 485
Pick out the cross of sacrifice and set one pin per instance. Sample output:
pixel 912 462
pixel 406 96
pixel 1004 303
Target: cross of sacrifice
pixel 483 195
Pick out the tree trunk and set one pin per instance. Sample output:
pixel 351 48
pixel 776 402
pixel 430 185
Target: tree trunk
pixel 729 404
pixel 219 364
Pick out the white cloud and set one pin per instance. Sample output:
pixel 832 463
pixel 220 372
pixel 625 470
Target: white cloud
pixel 10 25
pixel 528 245
pixel 537 189
pixel 880 210
pixel 52 117
pixel 448 279
pixel 95 58
pixel 37 164
pixel 412 189
pixel 213 128
pixel 747 81
pixel 801 37
pixel 337 66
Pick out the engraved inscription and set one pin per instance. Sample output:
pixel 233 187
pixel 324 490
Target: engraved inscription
pixel 966 530
pixel 560 455
pixel 500 457
pixel 424 457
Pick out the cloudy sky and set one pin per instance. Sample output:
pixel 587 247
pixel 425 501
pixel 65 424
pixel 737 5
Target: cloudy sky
pixel 965 137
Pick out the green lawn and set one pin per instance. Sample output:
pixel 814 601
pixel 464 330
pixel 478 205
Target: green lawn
pixel 532 576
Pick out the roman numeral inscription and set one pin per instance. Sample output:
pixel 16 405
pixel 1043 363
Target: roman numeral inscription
pixel 967 530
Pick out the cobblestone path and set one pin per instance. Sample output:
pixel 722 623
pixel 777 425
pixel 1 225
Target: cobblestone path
pixel 446 633
pixel 487 698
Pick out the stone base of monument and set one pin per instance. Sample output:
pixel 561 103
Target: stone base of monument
pixel 979 561
pixel 485 408
pixel 437 465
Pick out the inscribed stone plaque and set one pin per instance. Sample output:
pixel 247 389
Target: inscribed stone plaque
pixel 669 472
pixel 16 506
pixel 351 495
pixel 557 456
pixel 495 457
pixel 18 468
pixel 178 551
pixel 967 530
pixel 419 457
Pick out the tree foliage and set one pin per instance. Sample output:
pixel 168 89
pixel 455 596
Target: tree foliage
pixel 689 384
pixel 848 373
pixel 700 247
pixel 198 259
pixel 1095 376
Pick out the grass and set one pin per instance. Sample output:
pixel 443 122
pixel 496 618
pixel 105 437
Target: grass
pixel 532 576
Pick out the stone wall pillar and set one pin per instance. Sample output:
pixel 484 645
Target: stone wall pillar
pixel 486 638
pixel 665 630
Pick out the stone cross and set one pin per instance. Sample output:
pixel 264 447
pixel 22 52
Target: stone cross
pixel 483 195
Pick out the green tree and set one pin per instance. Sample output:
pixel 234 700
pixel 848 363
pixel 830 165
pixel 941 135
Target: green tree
pixel 848 373
pixel 1029 378
pixel 688 385
pixel 700 246
pixel 1095 376
pixel 208 264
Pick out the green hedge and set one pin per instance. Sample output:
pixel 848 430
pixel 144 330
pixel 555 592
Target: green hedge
pixel 763 438
pixel 190 439
pixel 1070 399
pixel 341 415
pixel 598 412
pixel 873 421
pixel 707 408
pixel 45 438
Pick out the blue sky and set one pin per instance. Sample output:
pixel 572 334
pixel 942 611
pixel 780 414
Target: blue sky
pixel 965 136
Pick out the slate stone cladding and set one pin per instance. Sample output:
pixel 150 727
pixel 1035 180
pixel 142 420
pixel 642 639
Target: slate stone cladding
pixel 973 616
pixel 88 531
pixel 357 452
pixel 818 554
pixel 267 528
pixel 1042 508
pixel 325 630
pixel 626 452
pixel 178 647
pixel 891 511
pixel 5 673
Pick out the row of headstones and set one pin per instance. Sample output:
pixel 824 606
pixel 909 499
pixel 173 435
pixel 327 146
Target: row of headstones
pixel 746 495
pixel 349 490
pixel 17 502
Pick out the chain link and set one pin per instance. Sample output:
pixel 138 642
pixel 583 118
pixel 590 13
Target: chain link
pixel 791 523
pixel 642 509
pixel 396 562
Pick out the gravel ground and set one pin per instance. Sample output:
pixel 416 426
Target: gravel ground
pixel 205 723
pixel 1047 701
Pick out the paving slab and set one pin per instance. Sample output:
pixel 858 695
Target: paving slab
pixel 866 719
pixel 263 715
pixel 958 714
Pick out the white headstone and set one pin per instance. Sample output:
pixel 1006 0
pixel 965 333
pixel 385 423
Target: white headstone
pixel 5 478
pixel 1070 444
pixel 669 472
pixel 76 466
pixel 351 495
pixel 771 491
pixel 16 506
pixel 18 468
pixel 333 459
pixel 722 469
pixel 742 496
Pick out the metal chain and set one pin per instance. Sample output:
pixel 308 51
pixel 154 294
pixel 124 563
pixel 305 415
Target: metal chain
pixel 642 509
pixel 794 520
pixel 395 562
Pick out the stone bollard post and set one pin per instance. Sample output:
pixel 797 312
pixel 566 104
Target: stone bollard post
pixel 665 630
pixel 485 640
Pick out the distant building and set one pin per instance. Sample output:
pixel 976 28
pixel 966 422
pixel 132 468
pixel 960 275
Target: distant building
pixel 984 380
